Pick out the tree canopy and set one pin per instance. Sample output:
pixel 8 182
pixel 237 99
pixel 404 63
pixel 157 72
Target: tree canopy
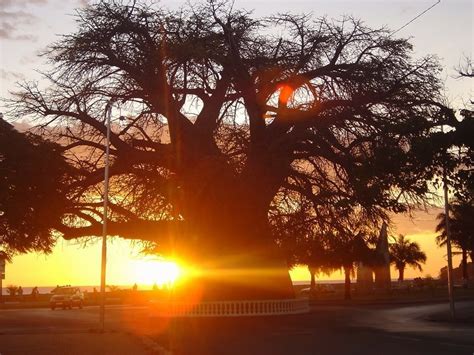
pixel 405 253
pixel 33 194
pixel 232 120
pixel 461 227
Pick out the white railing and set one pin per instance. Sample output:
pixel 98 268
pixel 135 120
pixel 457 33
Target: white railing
pixel 230 308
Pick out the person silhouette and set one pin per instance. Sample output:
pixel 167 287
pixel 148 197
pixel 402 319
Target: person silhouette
pixel 34 293
pixel 135 287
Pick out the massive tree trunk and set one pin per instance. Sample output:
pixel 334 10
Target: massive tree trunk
pixel 465 273
pixel 229 240
pixel 237 261
pixel 347 282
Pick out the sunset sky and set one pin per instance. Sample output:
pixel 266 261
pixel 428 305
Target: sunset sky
pixel 27 26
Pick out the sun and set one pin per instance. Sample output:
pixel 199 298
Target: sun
pixel 160 272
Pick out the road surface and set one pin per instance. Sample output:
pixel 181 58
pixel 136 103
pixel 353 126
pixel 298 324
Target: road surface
pixel 326 330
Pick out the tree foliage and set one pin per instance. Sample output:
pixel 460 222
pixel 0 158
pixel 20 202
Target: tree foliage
pixel 405 253
pixel 233 120
pixel 461 227
pixel 331 242
pixel 33 191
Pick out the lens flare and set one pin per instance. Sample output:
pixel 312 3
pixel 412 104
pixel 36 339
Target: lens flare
pixel 159 272
pixel 285 93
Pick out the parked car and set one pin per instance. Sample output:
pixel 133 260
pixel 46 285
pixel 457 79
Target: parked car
pixel 321 289
pixel 66 297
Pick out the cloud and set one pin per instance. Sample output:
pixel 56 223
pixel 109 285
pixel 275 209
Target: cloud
pixel 19 16
pixel 32 58
pixel 20 3
pixel 9 75
pixel 82 3
pixel 12 20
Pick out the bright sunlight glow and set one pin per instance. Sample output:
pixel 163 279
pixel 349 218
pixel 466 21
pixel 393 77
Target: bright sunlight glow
pixel 159 272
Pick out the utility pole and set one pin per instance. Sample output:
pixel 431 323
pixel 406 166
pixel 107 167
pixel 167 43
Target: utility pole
pixel 2 276
pixel 448 246
pixel 104 224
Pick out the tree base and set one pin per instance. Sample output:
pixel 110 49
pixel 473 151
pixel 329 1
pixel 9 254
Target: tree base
pixel 235 284
pixel 226 309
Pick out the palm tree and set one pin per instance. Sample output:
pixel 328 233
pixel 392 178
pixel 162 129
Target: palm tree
pixel 314 253
pixel 348 248
pixel 405 253
pixel 461 224
pixel 316 269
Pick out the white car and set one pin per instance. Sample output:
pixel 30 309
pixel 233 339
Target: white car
pixel 66 297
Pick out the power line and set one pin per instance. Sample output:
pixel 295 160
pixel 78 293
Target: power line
pixel 416 17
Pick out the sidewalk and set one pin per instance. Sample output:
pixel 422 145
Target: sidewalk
pixel 464 314
pixel 74 343
pixel 429 321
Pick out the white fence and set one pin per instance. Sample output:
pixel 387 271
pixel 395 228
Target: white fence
pixel 230 308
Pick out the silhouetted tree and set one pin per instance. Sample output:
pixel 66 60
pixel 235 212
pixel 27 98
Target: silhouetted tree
pixel 348 242
pixel 348 249
pixel 33 176
pixel 225 121
pixel 405 253
pixel 334 240
pixel 461 224
pixel 12 290
pixel 315 254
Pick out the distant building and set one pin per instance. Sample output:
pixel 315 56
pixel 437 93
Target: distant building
pixel 457 272
pixel 365 279
pixel 382 268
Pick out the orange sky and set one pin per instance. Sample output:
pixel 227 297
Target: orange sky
pixel 73 264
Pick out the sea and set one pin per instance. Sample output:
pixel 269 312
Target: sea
pixel 90 288
pixel 47 289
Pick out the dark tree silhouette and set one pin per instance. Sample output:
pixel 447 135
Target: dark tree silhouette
pixel 349 248
pixel 405 253
pixel 461 224
pixel 349 238
pixel 33 176
pixel 314 253
pixel 226 119
pixel 332 241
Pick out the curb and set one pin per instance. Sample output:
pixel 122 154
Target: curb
pixel 153 346
pixel 395 302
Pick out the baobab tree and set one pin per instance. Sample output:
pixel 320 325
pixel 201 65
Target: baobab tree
pixel 226 117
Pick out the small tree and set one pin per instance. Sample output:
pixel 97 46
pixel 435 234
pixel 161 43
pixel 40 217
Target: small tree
pixel 335 239
pixel 405 253
pixel 461 224
pixel 317 257
pixel 12 290
pixel 349 244
pixel 113 288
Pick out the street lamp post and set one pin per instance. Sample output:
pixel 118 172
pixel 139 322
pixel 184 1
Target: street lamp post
pixel 104 224
pixel 448 246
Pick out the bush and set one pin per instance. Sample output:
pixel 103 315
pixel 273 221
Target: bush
pixel 12 290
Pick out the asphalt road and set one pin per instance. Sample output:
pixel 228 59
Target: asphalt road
pixel 326 330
